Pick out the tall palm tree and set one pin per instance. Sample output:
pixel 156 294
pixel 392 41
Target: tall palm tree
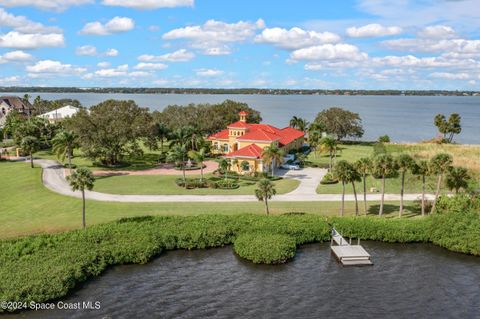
pixel 199 157
pixel 457 177
pixel 178 154
pixel 329 144
pixel 63 145
pixel 422 169
pixel 404 163
pixel 272 156
pixel 346 173
pixel 265 190
pixel 314 137
pixel 383 165
pixel 439 165
pixel 30 145
pixel 299 123
pixel 364 167
pixel 182 136
pixel 294 121
pixel 81 179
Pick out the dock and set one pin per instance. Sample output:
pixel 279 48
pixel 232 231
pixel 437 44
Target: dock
pixel 348 254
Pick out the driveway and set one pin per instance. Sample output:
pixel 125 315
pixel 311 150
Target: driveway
pixel 54 179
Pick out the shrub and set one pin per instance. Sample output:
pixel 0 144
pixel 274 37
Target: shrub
pixel 265 248
pixel 191 183
pixel 227 184
pixel 384 139
pixel 328 179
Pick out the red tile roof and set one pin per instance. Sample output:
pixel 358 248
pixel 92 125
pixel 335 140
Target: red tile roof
pixel 238 124
pixel 222 135
pixel 252 150
pixel 259 135
pixel 289 135
pixel 243 113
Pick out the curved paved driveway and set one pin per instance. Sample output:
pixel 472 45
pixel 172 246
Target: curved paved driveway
pixel 54 179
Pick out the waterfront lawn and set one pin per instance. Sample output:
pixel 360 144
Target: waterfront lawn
pixel 27 207
pixel 165 185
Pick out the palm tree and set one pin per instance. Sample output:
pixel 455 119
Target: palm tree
pixel 299 123
pixel 272 156
pixel 439 165
pixel 199 157
pixel 346 173
pixel 294 121
pixel 364 167
pixel 224 164
pixel 30 145
pixel 81 179
pixel 404 163
pixel 421 168
pixel 182 136
pixel 265 190
pixel 383 165
pixel 314 138
pixel 457 177
pixel 63 145
pixel 329 144
pixel 178 154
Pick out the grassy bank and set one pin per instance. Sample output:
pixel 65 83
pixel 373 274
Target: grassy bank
pixel 27 207
pixel 46 267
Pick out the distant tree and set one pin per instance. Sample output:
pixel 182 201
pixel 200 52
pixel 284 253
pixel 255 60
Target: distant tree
pixel 329 144
pixel 421 168
pixel 182 136
pixel 384 139
pixel 63 145
pixel 439 165
pixel 30 145
pixel 13 123
pixel 364 167
pixel 457 178
pixel 157 134
pixel 179 155
pixel 314 137
pixel 383 166
pixel 448 128
pixel 264 191
pixel 404 163
pixel 82 179
pixel 340 123
pixel 272 156
pixel 199 157
pixel 111 130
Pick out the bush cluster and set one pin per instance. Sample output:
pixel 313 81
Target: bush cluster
pixel 328 179
pixel 265 248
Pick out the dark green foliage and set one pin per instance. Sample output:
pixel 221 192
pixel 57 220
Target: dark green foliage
pixel 265 248
pixel 45 267
pixel 340 123
pixel 384 139
pixel 329 178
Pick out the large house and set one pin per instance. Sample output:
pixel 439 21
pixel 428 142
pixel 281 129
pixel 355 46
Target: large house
pixel 10 103
pixel 244 142
pixel 60 114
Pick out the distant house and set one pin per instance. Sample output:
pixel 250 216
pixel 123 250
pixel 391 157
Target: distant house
pixel 244 142
pixel 11 103
pixel 60 114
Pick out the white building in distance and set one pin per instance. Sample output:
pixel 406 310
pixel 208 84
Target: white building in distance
pixel 60 114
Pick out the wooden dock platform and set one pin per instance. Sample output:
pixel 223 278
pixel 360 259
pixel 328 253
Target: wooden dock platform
pixel 348 254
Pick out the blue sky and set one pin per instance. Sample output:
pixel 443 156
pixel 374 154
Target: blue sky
pixel 362 44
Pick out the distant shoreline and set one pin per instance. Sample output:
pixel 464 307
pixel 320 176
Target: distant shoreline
pixel 246 91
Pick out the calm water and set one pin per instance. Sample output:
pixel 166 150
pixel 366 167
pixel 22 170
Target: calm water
pixel 407 281
pixel 404 118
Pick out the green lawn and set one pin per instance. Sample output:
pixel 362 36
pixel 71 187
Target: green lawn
pixel 27 207
pixel 165 185
pixel 349 153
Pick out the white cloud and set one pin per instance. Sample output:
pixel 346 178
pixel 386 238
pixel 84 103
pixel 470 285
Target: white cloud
pixel 56 5
pixel 111 53
pixel 115 25
pixel 24 25
pixel 437 32
pixel 450 76
pixel 295 38
pixel 150 66
pixel 47 68
pixel 373 30
pixel 88 50
pixel 15 56
pixel 119 71
pixel 8 81
pixel 103 65
pixel 340 51
pixel 451 46
pixel 214 37
pixel 18 40
pixel 149 4
pixel 181 55
pixel 208 72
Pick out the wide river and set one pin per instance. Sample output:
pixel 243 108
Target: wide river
pixel 403 118
pixel 406 281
